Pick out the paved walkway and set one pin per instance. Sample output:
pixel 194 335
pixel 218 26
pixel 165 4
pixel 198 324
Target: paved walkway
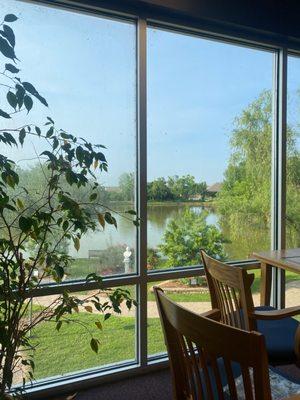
pixel 292 299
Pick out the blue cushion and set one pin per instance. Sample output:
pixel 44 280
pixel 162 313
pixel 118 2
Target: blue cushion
pixel 279 336
pixel 236 370
pixel 236 373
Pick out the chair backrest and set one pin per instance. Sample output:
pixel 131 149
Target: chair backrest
pixel 230 292
pixel 200 347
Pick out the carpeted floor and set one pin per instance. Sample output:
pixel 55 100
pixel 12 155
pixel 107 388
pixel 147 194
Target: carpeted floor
pixel 290 370
pixel 153 386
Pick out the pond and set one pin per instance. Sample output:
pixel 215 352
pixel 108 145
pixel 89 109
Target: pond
pixel 242 240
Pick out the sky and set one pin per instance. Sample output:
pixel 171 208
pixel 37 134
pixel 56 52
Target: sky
pixel 85 66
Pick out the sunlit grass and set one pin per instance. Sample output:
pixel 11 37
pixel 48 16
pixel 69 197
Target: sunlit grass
pixel 68 350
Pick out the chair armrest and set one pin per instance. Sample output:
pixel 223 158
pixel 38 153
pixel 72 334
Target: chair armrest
pixel 276 314
pixel 212 314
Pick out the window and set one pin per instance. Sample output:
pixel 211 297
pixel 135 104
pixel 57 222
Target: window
pixel 88 78
pixel 209 148
pixel 191 293
pixel 209 114
pixel 293 174
pixel 65 351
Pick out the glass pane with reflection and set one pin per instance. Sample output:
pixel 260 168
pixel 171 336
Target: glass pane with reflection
pixel 87 74
pixel 191 293
pixel 293 175
pixel 209 149
pixel 59 352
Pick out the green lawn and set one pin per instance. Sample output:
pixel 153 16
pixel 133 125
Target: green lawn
pixel 179 296
pixel 68 350
pixel 289 276
pixel 81 267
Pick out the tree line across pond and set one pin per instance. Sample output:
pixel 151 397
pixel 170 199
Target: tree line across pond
pixel 172 188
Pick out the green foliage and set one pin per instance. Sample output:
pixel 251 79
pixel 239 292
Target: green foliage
pixel 127 187
pixel 186 235
pixel 153 258
pixel 182 187
pixel 176 188
pixel 202 190
pixel 57 201
pixel 159 190
pixel 246 187
pixel 245 198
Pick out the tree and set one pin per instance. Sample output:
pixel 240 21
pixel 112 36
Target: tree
pixel 43 220
pixel 183 187
pixel 201 188
pixel 126 184
pixel 245 197
pixel 186 235
pixel 158 190
pixel 246 187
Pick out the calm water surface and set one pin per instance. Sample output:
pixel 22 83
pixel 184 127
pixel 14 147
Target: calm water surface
pixel 241 243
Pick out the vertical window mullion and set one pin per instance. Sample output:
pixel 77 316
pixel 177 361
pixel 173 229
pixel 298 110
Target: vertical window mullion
pixel 142 188
pixel 279 171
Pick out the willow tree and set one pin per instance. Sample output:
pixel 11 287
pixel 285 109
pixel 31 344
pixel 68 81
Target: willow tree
pixel 245 198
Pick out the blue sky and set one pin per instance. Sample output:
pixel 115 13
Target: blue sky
pixel 85 67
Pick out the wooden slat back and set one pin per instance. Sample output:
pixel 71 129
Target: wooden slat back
pixel 196 344
pixel 230 291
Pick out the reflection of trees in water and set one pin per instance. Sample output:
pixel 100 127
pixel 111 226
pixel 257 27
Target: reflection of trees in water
pixel 245 236
pixel 160 215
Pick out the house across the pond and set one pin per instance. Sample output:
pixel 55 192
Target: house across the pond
pixel 214 189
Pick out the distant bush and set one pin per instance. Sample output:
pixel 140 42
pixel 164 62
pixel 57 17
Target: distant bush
pixel 186 235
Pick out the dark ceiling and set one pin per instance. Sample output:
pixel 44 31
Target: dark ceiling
pixel 276 20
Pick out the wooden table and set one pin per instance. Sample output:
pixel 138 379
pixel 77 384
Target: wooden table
pixel 288 260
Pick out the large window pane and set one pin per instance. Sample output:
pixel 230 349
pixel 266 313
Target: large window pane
pixel 59 353
pixel 191 293
pixel 87 74
pixel 293 175
pixel 209 149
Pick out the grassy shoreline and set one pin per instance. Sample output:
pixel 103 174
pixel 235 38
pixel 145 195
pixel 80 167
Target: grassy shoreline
pixel 206 203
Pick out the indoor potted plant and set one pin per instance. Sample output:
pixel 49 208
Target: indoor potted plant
pixel 44 224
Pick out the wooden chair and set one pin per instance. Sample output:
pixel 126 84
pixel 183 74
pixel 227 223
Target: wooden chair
pixel 230 291
pixel 207 356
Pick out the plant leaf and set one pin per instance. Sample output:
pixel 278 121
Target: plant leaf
pixel 98 325
pixel 22 135
pixel 76 243
pixel 12 99
pixel 101 220
pixel 11 68
pixel 25 224
pixel 94 345
pixel 131 212
pixel 93 196
pixel 59 271
pixel 8 33
pixel 4 114
pixel 28 103
pixel 10 18
pixel 20 204
pixel 6 49
pixel 51 120
pixel 58 325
